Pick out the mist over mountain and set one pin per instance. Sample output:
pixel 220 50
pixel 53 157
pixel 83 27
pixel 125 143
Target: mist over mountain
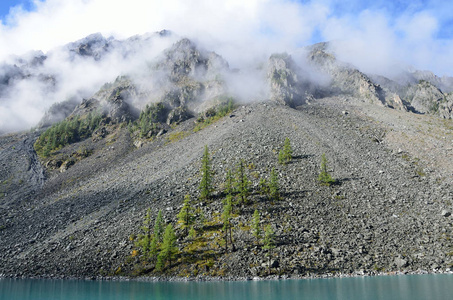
pixel 157 64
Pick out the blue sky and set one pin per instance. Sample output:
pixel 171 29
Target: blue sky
pixel 6 5
pixel 374 35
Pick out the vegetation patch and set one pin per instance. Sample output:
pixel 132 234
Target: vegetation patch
pixel 67 132
pixel 149 121
pixel 214 114
pixel 177 136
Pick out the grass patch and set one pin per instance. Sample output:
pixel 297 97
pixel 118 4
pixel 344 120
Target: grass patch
pixel 177 136
pixel 214 114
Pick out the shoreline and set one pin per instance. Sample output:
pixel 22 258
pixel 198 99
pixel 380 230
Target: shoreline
pixel 202 278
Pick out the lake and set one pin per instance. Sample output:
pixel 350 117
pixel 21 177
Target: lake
pixel 411 287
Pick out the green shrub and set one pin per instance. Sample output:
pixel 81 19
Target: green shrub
pixel 324 176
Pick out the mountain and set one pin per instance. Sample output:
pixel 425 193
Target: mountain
pixel 80 192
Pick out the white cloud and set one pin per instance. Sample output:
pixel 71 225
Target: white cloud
pixel 368 35
pixel 250 24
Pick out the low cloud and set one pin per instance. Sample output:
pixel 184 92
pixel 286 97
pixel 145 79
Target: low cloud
pixel 377 37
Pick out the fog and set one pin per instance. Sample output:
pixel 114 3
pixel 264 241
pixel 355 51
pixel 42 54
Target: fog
pixel 377 37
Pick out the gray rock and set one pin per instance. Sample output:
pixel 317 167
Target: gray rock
pixel 400 262
pixel 445 213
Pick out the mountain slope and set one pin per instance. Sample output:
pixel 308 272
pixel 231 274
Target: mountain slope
pixel 382 216
pixel 74 195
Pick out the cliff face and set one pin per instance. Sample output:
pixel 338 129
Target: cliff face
pixel 137 143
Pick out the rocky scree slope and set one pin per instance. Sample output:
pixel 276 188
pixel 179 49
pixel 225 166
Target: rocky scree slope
pixel 382 215
pixel 76 212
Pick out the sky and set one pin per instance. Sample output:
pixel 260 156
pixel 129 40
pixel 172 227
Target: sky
pixel 377 36
pixel 374 35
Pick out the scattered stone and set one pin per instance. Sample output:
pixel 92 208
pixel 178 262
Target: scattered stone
pixel 445 213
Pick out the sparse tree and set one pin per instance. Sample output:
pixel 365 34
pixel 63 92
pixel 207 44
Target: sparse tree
pixel 269 238
pixel 264 186
pixel 229 182
pixel 206 176
pixel 286 154
pixel 269 243
pixel 168 250
pixel 186 216
pixel 153 249
pixel 159 227
pixel 226 219
pixel 324 176
pixel 256 229
pixel 274 188
pixel 242 183
pixel 144 240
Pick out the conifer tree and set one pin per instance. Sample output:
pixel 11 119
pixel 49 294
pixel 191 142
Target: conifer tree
pixel 286 154
pixel 168 250
pixel 229 182
pixel 144 240
pixel 264 186
pixel 192 233
pixel 324 176
pixel 274 188
pixel 153 249
pixel 206 176
pixel 256 229
pixel 186 216
pixel 269 243
pixel 269 238
pixel 159 227
pixel 226 219
pixel 242 183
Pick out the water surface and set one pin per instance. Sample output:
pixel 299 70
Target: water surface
pixel 411 287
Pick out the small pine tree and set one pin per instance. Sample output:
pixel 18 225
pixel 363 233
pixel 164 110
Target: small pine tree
pixel 264 186
pixel 256 229
pixel 168 250
pixel 269 243
pixel 226 220
pixel 192 233
pixel 242 183
pixel 144 240
pixel 186 216
pixel 269 238
pixel 274 188
pixel 159 227
pixel 324 176
pixel 229 182
pixel 206 176
pixel 286 154
pixel 153 249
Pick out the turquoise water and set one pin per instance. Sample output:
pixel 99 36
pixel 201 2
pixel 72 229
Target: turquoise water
pixel 386 287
